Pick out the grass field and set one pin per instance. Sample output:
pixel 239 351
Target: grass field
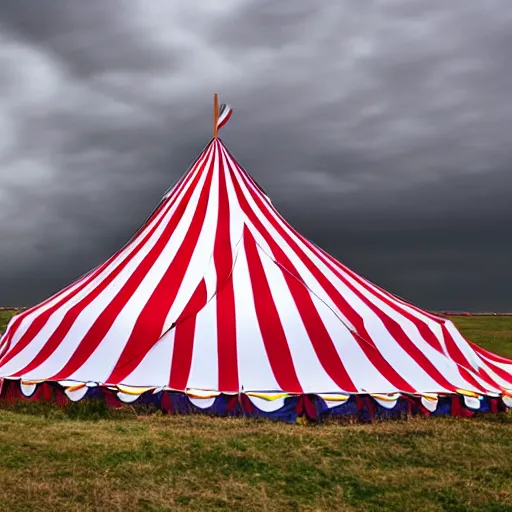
pixel 89 458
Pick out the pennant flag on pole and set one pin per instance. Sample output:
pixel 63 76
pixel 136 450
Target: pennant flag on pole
pixel 225 112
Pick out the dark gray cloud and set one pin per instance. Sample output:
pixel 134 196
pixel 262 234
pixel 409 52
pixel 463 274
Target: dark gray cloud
pixel 380 129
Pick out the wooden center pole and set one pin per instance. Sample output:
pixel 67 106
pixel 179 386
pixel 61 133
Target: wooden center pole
pixel 215 114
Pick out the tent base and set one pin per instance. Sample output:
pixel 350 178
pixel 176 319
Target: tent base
pixel 292 409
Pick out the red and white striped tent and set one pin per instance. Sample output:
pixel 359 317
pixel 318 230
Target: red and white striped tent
pixel 217 295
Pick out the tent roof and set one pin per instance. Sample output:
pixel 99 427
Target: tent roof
pixel 218 292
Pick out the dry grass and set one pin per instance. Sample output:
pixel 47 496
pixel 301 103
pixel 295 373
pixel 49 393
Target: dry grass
pixel 200 463
pixel 52 460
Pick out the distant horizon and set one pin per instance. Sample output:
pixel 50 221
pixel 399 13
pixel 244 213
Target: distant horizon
pixel 450 312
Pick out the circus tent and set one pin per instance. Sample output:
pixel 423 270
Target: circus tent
pixel 218 304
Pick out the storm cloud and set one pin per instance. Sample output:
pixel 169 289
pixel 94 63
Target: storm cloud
pixel 380 129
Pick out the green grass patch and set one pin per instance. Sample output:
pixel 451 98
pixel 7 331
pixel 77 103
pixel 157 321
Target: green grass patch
pixel 201 463
pixel 5 316
pixel 494 333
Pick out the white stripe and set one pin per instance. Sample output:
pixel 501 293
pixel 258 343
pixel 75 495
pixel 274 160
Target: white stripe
pixel 254 370
pixel 155 368
pixel 236 215
pixel 210 279
pixel 464 347
pixel 204 369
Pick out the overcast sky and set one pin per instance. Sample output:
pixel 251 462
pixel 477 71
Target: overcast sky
pixel 381 129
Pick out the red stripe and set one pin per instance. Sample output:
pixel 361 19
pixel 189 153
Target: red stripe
pixel 271 329
pixel 466 375
pixel 103 323
pixel 184 339
pixel 226 319
pixel 40 321
pixel 368 347
pixel 454 352
pixel 150 323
